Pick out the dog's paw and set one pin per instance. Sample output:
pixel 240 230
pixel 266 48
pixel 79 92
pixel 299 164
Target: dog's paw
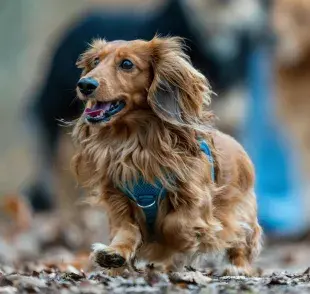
pixel 115 272
pixel 189 277
pixel 107 257
pixel 233 270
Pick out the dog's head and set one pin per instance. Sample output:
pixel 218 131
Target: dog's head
pixel 291 20
pixel 120 79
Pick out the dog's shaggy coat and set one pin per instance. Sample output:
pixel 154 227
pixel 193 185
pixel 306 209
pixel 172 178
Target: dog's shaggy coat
pixel 155 135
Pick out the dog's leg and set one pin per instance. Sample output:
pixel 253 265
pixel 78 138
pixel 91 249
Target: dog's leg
pixel 121 250
pixel 182 231
pixel 241 256
pixel 239 264
pixel 125 234
pixel 176 264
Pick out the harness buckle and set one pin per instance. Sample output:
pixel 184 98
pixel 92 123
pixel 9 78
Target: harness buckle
pixel 146 201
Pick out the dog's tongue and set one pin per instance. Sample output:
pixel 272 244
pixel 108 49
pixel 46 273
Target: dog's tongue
pixel 98 108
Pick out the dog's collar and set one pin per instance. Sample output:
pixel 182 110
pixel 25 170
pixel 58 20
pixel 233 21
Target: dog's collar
pixel 149 196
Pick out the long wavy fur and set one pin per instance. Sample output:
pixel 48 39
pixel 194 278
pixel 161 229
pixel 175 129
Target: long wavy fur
pixel 155 137
pixel 152 143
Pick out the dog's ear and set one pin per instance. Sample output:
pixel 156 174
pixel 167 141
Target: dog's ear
pixel 178 91
pixel 166 101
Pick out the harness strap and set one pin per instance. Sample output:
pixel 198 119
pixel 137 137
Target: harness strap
pixel 207 151
pixel 148 196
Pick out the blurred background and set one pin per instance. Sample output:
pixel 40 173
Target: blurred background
pixel 256 55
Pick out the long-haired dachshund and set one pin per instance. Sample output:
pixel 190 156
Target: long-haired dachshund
pixel 171 184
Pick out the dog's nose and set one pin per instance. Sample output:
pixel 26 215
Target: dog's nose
pixel 87 85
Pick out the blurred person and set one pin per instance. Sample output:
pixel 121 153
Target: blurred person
pixel 278 186
pixel 291 21
pixel 223 39
pixel 291 70
pixel 271 141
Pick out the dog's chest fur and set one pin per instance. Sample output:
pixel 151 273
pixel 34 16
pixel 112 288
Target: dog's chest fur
pixel 122 157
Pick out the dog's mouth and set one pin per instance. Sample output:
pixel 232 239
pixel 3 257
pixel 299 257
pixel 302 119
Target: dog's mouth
pixel 103 111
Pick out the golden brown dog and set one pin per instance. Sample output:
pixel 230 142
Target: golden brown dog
pixel 146 107
pixel 291 21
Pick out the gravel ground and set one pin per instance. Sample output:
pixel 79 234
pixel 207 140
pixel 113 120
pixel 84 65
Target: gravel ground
pixel 40 278
pixel 49 254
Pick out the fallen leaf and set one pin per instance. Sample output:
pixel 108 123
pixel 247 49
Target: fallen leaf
pixel 5 282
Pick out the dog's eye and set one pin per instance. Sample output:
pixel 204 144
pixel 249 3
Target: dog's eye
pixel 126 64
pixel 96 61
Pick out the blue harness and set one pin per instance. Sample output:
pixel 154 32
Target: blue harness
pixel 148 196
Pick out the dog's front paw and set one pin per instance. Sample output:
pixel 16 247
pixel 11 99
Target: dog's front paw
pixel 189 277
pixel 107 257
pixel 233 270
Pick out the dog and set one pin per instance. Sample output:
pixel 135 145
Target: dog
pixel 216 51
pixel 291 23
pixel 171 184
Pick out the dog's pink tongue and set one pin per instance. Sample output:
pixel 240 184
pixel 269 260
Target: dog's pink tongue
pixel 98 108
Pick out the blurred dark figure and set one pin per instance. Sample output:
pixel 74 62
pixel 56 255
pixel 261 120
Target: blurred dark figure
pixel 219 45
